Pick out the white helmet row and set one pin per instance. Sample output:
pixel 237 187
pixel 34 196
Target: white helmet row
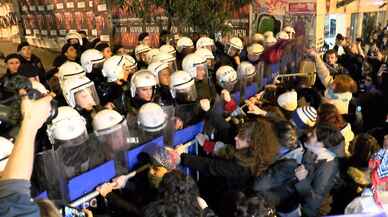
pixel 141 48
pixel 166 48
pixel 81 85
pixel 151 55
pixel 226 77
pixel 168 58
pixel 183 86
pixel 74 35
pixel 191 62
pixel 6 147
pixel 184 42
pixel 70 70
pixel 68 128
pixel 181 80
pixel 142 78
pixel 205 53
pixel 268 34
pixel 247 69
pixel 258 38
pixel 151 117
pixel 111 129
pixel 157 67
pixel 269 41
pixel 163 57
pixel 116 66
pixel 282 35
pixel 204 42
pixel 236 43
pixel 255 49
pixel 91 57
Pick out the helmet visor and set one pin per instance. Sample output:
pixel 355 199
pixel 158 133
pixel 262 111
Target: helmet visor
pixel 187 93
pixel 201 71
pixel 86 97
pixel 116 138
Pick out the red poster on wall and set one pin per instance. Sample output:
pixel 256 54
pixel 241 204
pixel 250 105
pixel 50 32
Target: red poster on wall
pixel 302 8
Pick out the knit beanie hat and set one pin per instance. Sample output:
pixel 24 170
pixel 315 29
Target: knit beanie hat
pixel 21 45
pixel 12 56
pixel 288 100
pixel 163 157
pixel 304 117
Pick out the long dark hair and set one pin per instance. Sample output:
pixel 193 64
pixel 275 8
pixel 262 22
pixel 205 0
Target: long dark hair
pixel 362 148
pixel 177 197
pixel 264 145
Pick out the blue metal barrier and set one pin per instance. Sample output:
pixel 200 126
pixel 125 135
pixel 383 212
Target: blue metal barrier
pixel 87 182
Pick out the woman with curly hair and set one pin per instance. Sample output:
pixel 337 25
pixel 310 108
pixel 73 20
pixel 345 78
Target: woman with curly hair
pixel 178 197
pixel 256 147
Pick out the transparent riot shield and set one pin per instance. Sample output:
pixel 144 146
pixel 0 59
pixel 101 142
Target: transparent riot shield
pixel 170 128
pixel 55 167
pixel 115 142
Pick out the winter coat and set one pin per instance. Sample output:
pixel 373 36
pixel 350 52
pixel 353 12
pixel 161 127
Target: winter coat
pixel 234 175
pixel 280 186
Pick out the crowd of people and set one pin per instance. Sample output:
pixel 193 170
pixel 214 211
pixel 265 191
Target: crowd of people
pixel 305 145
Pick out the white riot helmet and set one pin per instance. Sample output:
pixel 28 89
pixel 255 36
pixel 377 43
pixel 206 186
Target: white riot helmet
pixel 290 31
pixel 258 38
pixel 6 147
pixel 91 58
pixel 118 67
pixel 156 68
pixel 166 58
pixel 269 41
pixel 70 70
pixel 247 70
pixel 111 129
pixel 142 78
pixel 193 63
pixel 150 55
pixel 80 92
pixel 205 53
pixel 183 87
pixel 282 35
pixel 268 34
pixel 226 77
pixel 208 55
pixel 68 128
pixel 141 48
pixel 74 35
pixel 205 42
pixel 166 48
pixel 254 51
pixel 184 42
pixel 234 43
pixel 151 117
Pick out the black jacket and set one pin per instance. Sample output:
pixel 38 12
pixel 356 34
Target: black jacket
pixel 235 175
pixel 280 186
pixel 35 62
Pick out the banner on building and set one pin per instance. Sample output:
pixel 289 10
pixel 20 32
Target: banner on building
pixel 302 8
